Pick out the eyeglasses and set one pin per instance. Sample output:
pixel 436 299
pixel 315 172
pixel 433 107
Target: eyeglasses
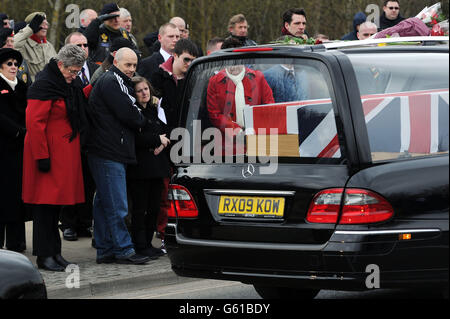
pixel 368 34
pixel 74 72
pixel 82 45
pixel 394 8
pixel 11 63
pixel 187 60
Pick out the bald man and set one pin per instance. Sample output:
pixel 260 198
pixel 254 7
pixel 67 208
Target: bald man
pixel 115 119
pixel 181 25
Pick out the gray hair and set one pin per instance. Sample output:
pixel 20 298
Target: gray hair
pixel 71 55
pixel 124 13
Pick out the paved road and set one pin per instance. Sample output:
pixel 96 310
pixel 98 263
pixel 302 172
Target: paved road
pixel 217 289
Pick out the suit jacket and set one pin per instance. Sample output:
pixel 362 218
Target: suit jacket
pixel 150 65
pixel 92 67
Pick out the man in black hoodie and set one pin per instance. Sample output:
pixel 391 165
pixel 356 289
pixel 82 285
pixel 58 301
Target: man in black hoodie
pixel 391 15
pixel 114 120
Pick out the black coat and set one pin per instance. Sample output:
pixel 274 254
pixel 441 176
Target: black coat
pixel 386 23
pixel 12 133
pixel 148 164
pixel 170 91
pixel 150 65
pixel 114 118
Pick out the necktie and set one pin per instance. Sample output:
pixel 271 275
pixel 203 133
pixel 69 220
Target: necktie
pixel 84 78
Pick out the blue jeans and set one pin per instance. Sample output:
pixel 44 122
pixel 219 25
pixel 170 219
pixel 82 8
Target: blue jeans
pixel 110 208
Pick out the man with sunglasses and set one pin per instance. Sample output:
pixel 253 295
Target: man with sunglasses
pixel 5 21
pixel 391 15
pixel 168 81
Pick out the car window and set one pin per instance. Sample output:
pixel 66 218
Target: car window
pixel 244 110
pixel 405 100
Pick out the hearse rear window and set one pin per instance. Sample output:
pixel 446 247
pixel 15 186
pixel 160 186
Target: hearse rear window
pixel 254 109
pixel 405 101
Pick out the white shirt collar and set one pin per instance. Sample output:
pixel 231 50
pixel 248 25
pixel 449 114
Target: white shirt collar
pixel 86 72
pixel 166 55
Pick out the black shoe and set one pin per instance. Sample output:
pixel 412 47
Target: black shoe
pixel 61 261
pixel 134 260
pixel 84 232
pixel 148 252
pixel 70 235
pixel 157 251
pixel 48 263
pixel 106 260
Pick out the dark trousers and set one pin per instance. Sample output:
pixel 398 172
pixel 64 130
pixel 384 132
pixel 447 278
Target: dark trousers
pixel 79 217
pixel 163 209
pixel 15 235
pixel 146 197
pixel 46 238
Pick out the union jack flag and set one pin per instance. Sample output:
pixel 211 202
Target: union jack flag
pixel 416 122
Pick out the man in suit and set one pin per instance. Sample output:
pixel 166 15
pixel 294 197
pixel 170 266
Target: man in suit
pixel 77 220
pixel 89 67
pixel 168 36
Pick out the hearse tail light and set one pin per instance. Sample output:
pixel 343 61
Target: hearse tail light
pixel 324 208
pixel 182 203
pixel 364 207
pixel 360 207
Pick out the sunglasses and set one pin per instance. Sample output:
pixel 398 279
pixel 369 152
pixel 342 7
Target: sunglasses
pixel 394 8
pixel 82 45
pixel 11 63
pixel 368 34
pixel 187 60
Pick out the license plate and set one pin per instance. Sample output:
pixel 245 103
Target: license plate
pixel 242 206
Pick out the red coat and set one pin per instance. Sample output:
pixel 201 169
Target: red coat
pixel 220 98
pixel 48 132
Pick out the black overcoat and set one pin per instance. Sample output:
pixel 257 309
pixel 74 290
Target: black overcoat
pixel 12 133
pixel 149 165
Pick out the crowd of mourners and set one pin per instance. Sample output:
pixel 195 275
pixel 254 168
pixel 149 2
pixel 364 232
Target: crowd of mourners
pixel 84 132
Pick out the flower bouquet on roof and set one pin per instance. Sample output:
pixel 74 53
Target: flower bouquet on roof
pixel 435 20
pixel 428 14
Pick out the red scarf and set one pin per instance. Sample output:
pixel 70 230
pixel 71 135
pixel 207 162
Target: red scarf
pixel 285 31
pixel 37 39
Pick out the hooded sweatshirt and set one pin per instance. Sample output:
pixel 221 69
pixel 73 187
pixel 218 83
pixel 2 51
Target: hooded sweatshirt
pixel 358 19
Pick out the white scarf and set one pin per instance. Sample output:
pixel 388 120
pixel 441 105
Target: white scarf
pixel 12 84
pixel 239 96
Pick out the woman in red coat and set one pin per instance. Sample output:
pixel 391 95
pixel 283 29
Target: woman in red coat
pixel 52 173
